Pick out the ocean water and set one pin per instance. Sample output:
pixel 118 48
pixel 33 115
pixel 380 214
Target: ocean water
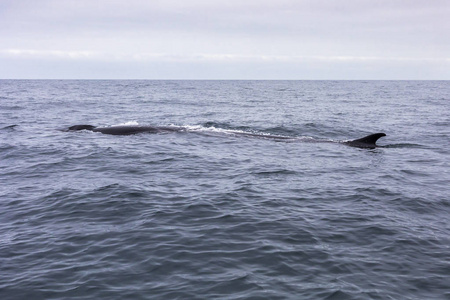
pixel 208 214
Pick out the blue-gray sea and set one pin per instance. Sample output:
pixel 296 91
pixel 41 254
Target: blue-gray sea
pixel 208 214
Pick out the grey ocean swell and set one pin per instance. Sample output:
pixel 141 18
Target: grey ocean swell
pixel 205 216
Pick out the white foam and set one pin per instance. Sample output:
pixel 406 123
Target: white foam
pixel 129 123
pixel 212 129
pixel 237 132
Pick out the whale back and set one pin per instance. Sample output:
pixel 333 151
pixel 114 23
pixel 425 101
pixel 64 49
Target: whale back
pixel 126 130
pixel 82 127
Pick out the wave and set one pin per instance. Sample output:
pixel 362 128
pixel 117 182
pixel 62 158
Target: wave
pixel 9 127
pixel 404 145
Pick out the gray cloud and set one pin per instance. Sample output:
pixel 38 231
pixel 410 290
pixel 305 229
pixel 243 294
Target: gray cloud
pixel 262 35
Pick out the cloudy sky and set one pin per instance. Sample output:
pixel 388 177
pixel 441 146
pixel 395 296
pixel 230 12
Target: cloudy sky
pixel 225 39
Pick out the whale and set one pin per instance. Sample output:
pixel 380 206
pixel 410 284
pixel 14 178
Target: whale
pixel 367 142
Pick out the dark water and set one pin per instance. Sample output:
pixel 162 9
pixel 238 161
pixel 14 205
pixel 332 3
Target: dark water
pixel 211 215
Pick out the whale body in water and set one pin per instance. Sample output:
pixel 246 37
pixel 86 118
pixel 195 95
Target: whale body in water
pixel 368 142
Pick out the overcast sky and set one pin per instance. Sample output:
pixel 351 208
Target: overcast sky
pixel 225 39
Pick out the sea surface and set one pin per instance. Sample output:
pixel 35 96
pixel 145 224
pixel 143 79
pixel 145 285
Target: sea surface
pixel 210 214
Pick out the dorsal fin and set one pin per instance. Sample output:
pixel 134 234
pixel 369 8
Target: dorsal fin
pixel 367 141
